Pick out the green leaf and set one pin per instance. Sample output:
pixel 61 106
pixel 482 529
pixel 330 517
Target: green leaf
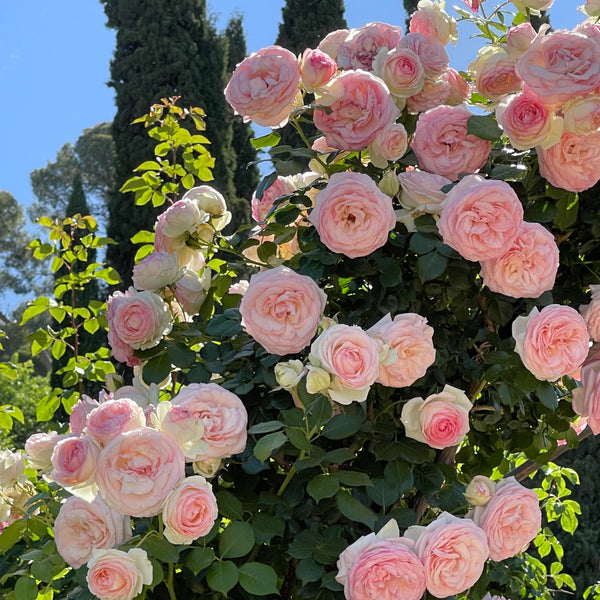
pixel 269 444
pixel 266 427
pixel 225 325
pixel 484 127
pixel 32 311
pixel 26 588
pixel 258 579
pixel 180 355
pixel 354 510
pixel 430 266
pixel 297 437
pixel 271 139
pixel 236 540
pixel 148 165
pixel 322 486
pixel 58 349
pixel 230 506
pixel 267 527
pixel 308 570
pixel 11 535
pixel 222 576
pixel 199 559
pixel 352 478
pixel 566 211
pixel 157 369
pixel 47 407
pixel 143 237
pixel 161 548
pixel 134 184
pixel 423 243
pixel 266 182
pixel 342 426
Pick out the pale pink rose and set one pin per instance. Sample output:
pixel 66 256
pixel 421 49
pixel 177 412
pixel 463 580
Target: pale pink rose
pixel 113 417
pixel 528 268
pixel 422 191
pixel 117 575
pixel 494 73
pixel 480 490
pixel 432 54
pixel 434 22
pixel 316 69
pixel 182 425
pixel 510 520
pixel 349 354
pixel 528 122
pixel 180 218
pixel 282 186
pixel 533 4
pixel 434 93
pixel 190 290
pixel 481 218
pixel 155 271
pixel 519 37
pixel 551 343
pixel 440 421
pixel 443 146
pixel 352 215
pixel 573 163
pixel 390 144
pixel 223 415
pixel 79 413
pixel 473 5
pixel 590 28
pixel 591 313
pixel 591 8
pixel 207 199
pixel 82 527
pixel 460 91
pixel 137 470
pixel 586 397
pixel 454 552
pixel 39 448
pixel 332 41
pixel 239 287
pixel 189 511
pixel 386 569
pixel 401 70
pixel 12 467
pixel 138 319
pixel 488 596
pixel 409 343
pixel 281 310
pixel 264 85
pixel 121 351
pixel 74 462
pixel 560 66
pixel 582 115
pixel 361 45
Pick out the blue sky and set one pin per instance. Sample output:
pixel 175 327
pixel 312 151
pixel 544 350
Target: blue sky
pixel 54 65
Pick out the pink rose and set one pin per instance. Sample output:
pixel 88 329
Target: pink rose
pixel 190 290
pixel 390 144
pixel 473 5
pixel 282 186
pixel 573 163
pixel 510 520
pixel 551 343
pixel 361 106
pixel 459 88
pixel 431 53
pixel 282 309
pixel 440 421
pixel 528 122
pixel 79 413
pixel 264 85
pixel 408 340
pixel 74 462
pixel 443 146
pixel 434 93
pixel 117 575
pixel 560 66
pixel 480 490
pixel 352 215
pixel 591 8
pixel 519 37
pixel 361 45
pixel 586 397
pixel 316 69
pixel 82 526
pixel 481 218
pixel 332 41
pixel 401 70
pixel 223 415
pixel 155 271
pixel 528 268
pixel 113 417
pixel 189 511
pixel 39 448
pixel 453 552
pixel 422 191
pixel 351 356
pixel 495 74
pixel 12 468
pixel 207 199
pixel 137 470
pixel 387 569
pixel 180 218
pixel 591 313
pixel 433 21
pixel 138 319
pixel 582 115
pixel 522 5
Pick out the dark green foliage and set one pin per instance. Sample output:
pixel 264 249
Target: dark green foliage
pixel 409 6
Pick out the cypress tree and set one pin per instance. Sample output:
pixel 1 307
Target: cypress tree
pixel 163 49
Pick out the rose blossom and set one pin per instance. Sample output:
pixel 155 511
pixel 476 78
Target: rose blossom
pixel 82 526
pixel 519 38
pixel 528 268
pixel 351 356
pixel 510 520
pixel 560 66
pixel 528 122
pixel 433 21
pixel 390 144
pixel 401 70
pixel 586 397
pixel 190 290
pixel 137 470
pixel 459 88
pixel 316 69
pixel 409 340
pixel 591 313
pixel 117 575
pixel 481 218
pixel 332 41
pixel 114 417
pixel 421 193
pixel 533 4
pixel 189 511
pixel 440 421
pixel 155 271
pixel 208 200
pixel 12 467
pixel 264 85
pixel 282 186
pixel 494 73
pixel 453 552
pixel 352 215
pixel 74 462
pixel 39 448
pixel 551 343
pixel 434 93
pixel 223 415
pixel 480 490
pixel 79 413
pixel 281 309
pixel 582 115
pixel 591 8
pixel 431 53
pixel 443 146
pixel 361 45
pixel 360 105
pixel 473 5
pixel 573 163
pixel 488 596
